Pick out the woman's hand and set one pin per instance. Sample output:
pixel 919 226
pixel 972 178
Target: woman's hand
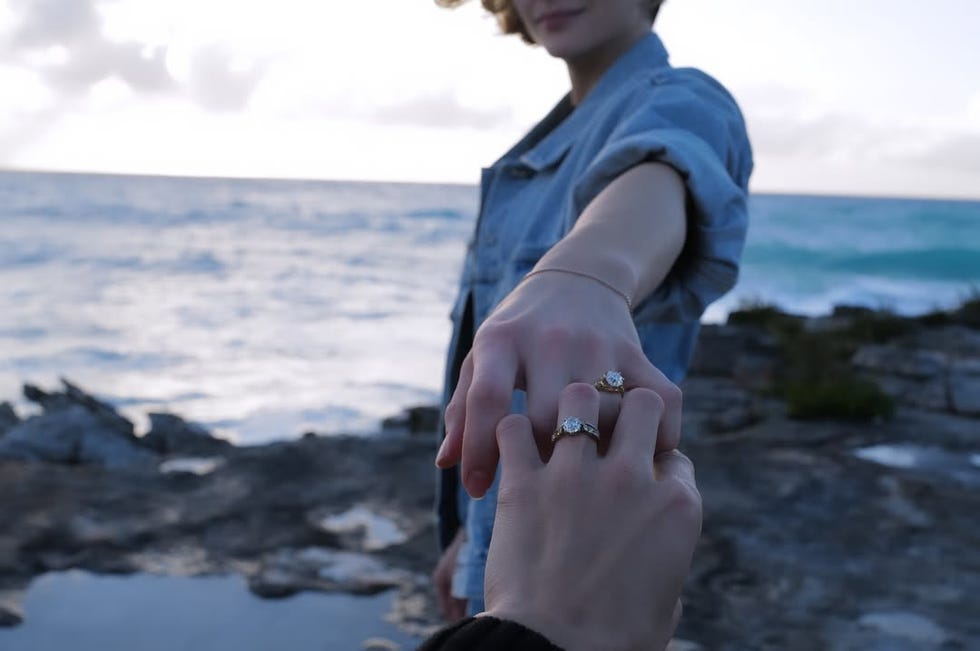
pixel 591 551
pixel 552 330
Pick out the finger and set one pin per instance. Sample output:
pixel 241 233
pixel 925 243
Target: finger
pixel 546 376
pixel 452 446
pixel 635 436
pixel 639 372
pixel 558 360
pixel 457 608
pixel 673 464
pixel 609 406
pixel 442 584
pixel 578 400
pixel 488 400
pixel 518 452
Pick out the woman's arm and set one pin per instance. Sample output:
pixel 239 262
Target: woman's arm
pixel 556 328
pixel 631 234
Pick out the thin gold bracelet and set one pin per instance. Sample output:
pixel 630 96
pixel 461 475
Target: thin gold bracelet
pixel 582 274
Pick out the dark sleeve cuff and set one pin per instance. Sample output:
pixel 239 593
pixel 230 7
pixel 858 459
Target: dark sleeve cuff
pixel 487 634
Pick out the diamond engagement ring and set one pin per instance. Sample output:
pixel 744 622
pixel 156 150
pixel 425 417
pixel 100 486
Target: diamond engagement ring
pixel 572 427
pixel 611 382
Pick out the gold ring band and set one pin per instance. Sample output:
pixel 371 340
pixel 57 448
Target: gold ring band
pixel 573 427
pixel 611 382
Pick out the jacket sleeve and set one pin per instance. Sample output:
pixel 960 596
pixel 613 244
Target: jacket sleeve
pixel 487 634
pixel 685 119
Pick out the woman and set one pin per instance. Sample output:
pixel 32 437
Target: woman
pixel 566 571
pixel 602 236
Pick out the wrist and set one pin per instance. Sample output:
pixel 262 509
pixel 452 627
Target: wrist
pixel 603 267
pixel 596 280
pixel 570 633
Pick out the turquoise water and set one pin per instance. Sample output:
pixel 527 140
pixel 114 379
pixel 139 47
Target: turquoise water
pixel 262 309
pixel 808 254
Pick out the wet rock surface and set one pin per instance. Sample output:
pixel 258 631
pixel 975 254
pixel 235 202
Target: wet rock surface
pixel 817 534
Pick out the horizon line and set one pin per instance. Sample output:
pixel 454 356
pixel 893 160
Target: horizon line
pixel 829 194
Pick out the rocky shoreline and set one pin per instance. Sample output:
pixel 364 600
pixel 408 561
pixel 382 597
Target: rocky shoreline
pixel 823 533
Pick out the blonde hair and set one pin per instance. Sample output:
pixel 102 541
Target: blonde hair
pixel 510 22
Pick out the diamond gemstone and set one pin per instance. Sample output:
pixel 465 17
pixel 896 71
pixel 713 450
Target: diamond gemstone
pixel 614 379
pixel 572 425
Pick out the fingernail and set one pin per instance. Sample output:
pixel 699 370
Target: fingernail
pixel 478 484
pixel 441 454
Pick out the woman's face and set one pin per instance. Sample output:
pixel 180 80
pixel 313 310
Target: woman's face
pixel 577 29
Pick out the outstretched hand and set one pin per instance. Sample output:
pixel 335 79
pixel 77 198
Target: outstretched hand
pixel 554 329
pixel 592 551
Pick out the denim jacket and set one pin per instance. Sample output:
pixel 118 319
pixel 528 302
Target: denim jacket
pixel 641 110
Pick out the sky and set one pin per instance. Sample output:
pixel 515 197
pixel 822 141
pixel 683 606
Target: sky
pixel 868 97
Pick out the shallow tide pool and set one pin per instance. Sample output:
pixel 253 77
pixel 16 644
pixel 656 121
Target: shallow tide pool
pixel 142 612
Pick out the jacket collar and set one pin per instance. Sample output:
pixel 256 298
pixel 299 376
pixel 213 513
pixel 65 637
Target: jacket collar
pixel 548 142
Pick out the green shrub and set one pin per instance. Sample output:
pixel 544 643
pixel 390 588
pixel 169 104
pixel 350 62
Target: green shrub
pixel 843 397
pixel 765 316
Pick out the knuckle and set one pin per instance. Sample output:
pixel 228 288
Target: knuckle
pixel 627 476
pixel 511 425
pixel 672 395
pixel 555 337
pixel 493 334
pixel 453 411
pixel 513 496
pixel 592 342
pixel 648 399
pixel 484 396
pixel 683 501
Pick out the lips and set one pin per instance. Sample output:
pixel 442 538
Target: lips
pixel 556 19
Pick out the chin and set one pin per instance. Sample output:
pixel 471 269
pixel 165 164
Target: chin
pixel 561 49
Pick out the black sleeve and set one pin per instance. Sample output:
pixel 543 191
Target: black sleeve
pixel 487 634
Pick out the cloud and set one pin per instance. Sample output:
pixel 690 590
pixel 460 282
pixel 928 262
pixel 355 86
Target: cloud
pixel 63 45
pixel 73 28
pixel 785 122
pixel 217 84
pixel 64 42
pixel 51 22
pixel 959 152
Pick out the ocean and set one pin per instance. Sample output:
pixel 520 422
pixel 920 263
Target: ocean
pixel 263 309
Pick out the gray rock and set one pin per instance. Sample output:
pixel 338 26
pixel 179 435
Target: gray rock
pixel 8 417
pixel 71 435
pixel 955 341
pixel 964 386
pixel 733 418
pixel 11 613
pixel 756 371
pixel 719 346
pixel 893 360
pixel 905 625
pixel 170 434
pixel 927 394
pixel 288 571
pixel 422 419
pixel 75 397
